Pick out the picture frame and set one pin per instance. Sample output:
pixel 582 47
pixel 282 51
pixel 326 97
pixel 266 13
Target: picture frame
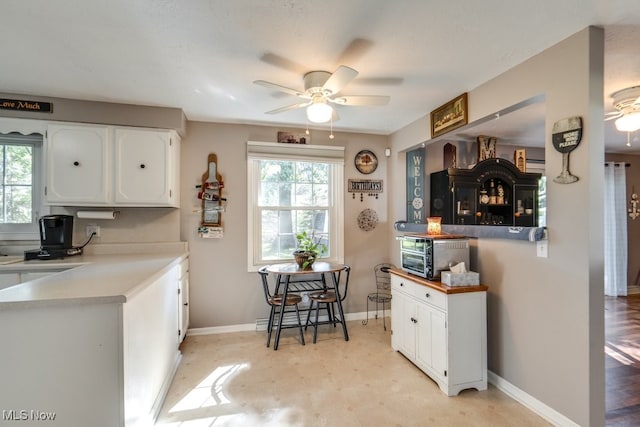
pixel 486 147
pixel 450 116
pixel 293 138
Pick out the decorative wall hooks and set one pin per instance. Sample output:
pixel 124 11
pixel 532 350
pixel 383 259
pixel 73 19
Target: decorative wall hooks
pixel 633 211
pixel 371 187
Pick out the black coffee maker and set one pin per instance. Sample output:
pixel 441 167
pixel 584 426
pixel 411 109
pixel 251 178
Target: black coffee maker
pixel 56 238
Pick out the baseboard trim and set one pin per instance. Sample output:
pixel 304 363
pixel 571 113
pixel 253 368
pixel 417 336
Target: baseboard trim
pixel 546 412
pixel 260 325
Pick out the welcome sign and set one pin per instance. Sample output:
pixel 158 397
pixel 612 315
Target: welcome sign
pixel 416 207
pixel 25 105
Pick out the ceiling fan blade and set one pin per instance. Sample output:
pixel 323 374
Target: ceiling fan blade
pixel 280 88
pixel 361 100
pixel 613 115
pixel 288 107
pixel 339 79
pixel 282 62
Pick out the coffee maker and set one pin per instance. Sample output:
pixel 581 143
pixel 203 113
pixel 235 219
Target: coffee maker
pixel 56 238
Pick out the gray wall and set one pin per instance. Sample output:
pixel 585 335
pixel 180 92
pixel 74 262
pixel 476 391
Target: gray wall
pixel 545 315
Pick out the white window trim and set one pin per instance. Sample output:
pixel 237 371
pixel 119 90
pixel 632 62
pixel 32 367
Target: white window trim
pixel 295 152
pixel 29 231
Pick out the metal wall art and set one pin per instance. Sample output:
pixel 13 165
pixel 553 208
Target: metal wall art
pixel 566 136
pixel 367 219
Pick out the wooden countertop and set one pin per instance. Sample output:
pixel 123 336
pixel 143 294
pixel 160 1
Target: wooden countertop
pixel 437 285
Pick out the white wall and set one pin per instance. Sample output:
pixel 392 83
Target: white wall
pixel 545 325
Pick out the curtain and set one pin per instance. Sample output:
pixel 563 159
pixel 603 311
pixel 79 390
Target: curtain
pixel 615 229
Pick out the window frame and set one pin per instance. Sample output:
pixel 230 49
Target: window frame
pixel 332 155
pixel 12 231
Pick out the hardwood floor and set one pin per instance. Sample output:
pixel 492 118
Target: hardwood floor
pixel 622 360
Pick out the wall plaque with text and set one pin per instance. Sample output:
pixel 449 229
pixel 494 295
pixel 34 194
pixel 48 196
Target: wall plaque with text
pixel 24 105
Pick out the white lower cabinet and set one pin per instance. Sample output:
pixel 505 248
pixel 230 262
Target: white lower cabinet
pixel 183 300
pixel 444 334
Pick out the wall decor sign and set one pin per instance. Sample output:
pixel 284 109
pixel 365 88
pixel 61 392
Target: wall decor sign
pixel 567 134
pixel 24 105
pixel 449 116
pixel 372 187
pixel 416 207
pixel 486 147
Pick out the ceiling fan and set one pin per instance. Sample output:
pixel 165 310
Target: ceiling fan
pixel 627 102
pixel 322 88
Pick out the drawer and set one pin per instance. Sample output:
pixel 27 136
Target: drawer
pixel 430 296
pixel 398 284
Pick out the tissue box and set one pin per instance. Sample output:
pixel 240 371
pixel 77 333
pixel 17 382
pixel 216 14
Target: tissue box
pixel 469 278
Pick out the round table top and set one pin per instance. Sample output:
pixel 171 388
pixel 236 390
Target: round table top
pixel 316 267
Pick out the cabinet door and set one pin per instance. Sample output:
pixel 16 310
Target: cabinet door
pixel 183 300
pixel 77 165
pixel 403 318
pixel 146 167
pixel 431 345
pixel 465 199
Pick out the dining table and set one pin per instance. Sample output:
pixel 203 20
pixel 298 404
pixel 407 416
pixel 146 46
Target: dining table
pixel 287 273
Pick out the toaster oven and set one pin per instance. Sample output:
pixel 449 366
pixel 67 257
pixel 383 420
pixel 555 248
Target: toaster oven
pixel 427 256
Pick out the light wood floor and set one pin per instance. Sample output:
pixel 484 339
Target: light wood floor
pixel 235 380
pixel 622 360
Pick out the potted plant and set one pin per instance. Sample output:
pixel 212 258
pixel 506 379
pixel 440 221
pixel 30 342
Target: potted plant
pixel 308 250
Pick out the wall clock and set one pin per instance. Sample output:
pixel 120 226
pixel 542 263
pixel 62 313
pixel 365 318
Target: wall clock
pixel 366 162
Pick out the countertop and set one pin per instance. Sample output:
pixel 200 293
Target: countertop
pixel 96 277
pixel 437 285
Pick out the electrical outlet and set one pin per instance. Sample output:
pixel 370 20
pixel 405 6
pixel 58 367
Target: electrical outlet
pixel 93 228
pixel 541 248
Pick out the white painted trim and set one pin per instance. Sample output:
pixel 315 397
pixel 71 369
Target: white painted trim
pixel 546 412
pixel 252 326
pixel 164 389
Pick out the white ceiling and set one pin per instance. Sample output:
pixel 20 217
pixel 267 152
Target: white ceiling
pixel 203 55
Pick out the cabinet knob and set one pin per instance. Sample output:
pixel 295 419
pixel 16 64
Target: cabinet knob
pixel 427 295
pixel 414 320
pixel 76 163
pixel 142 166
pixel 186 303
pixel 401 284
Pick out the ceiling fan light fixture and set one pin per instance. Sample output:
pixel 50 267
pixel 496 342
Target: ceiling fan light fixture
pixel 319 112
pixel 629 122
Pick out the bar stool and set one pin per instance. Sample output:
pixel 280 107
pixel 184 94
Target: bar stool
pixel 277 303
pixel 328 297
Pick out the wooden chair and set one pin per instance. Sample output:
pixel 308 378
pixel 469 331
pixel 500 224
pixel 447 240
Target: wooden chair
pixel 276 303
pixel 382 295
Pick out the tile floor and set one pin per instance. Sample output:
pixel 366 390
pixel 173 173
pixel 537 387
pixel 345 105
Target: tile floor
pixel 235 380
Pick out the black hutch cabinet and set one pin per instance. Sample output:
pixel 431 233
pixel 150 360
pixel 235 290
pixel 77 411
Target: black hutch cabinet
pixel 494 192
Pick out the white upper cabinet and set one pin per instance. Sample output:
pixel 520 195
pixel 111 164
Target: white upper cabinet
pixel 112 166
pixel 77 164
pixel 145 167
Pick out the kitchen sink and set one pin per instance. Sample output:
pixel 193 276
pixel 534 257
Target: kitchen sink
pixel 4 260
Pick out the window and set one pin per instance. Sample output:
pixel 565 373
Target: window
pixel 293 188
pixel 20 160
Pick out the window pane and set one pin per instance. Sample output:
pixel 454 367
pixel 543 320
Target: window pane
pixel 19 159
pixel 18 204
pixel 304 195
pixel 268 194
pixel 304 172
pixel 320 195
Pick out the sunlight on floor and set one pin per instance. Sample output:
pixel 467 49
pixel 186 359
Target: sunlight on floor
pixel 622 353
pixel 210 391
